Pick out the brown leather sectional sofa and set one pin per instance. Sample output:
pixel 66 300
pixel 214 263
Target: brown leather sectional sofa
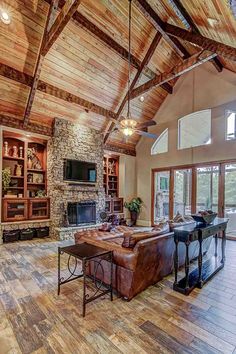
pixel 145 263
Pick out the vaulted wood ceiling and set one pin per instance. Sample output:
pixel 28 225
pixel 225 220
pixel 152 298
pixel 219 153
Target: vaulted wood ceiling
pixel 87 63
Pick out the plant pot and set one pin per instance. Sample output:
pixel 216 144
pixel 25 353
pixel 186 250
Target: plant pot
pixel 133 217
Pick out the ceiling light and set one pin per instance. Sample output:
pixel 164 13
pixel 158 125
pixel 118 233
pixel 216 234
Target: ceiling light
pixel 4 16
pixel 128 125
pixel 212 21
pixel 141 99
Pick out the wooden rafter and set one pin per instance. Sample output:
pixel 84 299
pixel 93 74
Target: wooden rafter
pixel 177 71
pixel 145 62
pixel 39 62
pixel 27 80
pixel 59 24
pixel 187 21
pixel 203 42
pixel 121 150
pixel 12 122
pixel 156 21
pixel 51 32
pixel 89 26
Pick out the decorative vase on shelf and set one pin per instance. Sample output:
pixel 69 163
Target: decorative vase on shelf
pixel 29 163
pixel 18 170
pixel 15 151
pixel 21 152
pixel 6 149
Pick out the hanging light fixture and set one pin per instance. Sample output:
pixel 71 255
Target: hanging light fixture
pixel 128 124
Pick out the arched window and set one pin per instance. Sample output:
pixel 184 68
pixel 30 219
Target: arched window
pixel 195 129
pixel 161 144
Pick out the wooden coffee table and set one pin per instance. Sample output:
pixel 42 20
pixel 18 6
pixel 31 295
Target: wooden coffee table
pixel 87 254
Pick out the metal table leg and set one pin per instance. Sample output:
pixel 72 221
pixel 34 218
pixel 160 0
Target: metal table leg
pixel 59 271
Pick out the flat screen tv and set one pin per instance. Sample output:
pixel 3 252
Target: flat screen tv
pixel 80 171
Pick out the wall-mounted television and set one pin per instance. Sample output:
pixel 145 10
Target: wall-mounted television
pixel 80 171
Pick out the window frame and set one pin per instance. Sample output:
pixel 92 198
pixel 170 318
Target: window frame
pixel 226 124
pixel 157 141
pixel 179 130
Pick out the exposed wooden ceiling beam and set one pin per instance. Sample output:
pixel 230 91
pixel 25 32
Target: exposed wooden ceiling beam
pixel 145 62
pixel 188 22
pixel 203 42
pixel 156 21
pixel 177 71
pixel 50 18
pixel 27 80
pixel 59 24
pixel 120 150
pixel 89 26
pixel 18 124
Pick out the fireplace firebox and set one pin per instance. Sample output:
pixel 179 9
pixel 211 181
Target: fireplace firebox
pixel 81 213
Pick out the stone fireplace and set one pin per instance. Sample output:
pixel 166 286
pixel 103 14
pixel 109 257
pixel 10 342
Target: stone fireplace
pixel 81 213
pixel 84 202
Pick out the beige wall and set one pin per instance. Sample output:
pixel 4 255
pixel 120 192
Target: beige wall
pixel 127 178
pixel 199 89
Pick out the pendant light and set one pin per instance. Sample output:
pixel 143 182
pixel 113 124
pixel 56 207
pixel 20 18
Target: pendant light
pixel 128 124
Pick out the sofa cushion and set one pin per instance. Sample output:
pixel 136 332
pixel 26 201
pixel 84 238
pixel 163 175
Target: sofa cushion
pixel 132 238
pixel 180 220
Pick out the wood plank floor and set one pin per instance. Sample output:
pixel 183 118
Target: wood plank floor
pixel 33 319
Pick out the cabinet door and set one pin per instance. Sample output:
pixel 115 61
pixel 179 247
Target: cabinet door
pixel 39 208
pixel 118 205
pixel 14 209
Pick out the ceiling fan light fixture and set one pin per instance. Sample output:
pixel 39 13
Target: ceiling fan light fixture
pixel 128 125
pixel 5 17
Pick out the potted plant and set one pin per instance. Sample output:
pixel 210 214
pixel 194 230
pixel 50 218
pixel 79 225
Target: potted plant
pixel 134 206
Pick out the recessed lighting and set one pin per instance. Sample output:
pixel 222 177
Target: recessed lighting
pixel 5 17
pixel 28 135
pixel 141 99
pixel 212 21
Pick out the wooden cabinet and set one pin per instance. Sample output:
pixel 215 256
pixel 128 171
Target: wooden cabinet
pixel 15 209
pixel 24 182
pixel 25 209
pixel 38 208
pixel 114 205
pixel 111 175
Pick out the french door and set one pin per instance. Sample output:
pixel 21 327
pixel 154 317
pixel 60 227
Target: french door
pixel 188 189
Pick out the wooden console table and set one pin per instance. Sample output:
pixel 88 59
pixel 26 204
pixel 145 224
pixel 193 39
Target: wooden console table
pixel 206 270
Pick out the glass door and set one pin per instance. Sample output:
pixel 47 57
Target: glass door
pixel 207 188
pixel 230 198
pixel 161 195
pixel 182 191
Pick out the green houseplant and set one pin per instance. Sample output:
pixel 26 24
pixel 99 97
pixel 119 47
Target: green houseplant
pixel 134 207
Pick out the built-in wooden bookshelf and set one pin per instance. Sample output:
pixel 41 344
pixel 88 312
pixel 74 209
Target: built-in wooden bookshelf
pixel 111 175
pixel 24 161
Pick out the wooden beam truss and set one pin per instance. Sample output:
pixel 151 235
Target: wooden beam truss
pixel 188 64
pixel 53 28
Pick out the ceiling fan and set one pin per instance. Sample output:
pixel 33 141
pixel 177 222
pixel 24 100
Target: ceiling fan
pixel 129 126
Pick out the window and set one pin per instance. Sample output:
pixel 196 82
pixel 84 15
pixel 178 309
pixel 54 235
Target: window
pixel 161 144
pixel 161 195
pixel 182 191
pixel 195 129
pixel 230 125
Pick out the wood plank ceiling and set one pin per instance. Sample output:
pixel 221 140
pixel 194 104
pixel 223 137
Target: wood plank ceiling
pixel 85 66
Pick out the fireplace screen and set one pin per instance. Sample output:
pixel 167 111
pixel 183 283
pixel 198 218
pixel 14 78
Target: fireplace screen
pixel 81 213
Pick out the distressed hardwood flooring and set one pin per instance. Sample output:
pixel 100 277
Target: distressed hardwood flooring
pixel 33 319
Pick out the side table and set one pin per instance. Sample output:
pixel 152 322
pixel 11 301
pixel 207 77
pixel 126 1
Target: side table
pixel 211 266
pixel 87 254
